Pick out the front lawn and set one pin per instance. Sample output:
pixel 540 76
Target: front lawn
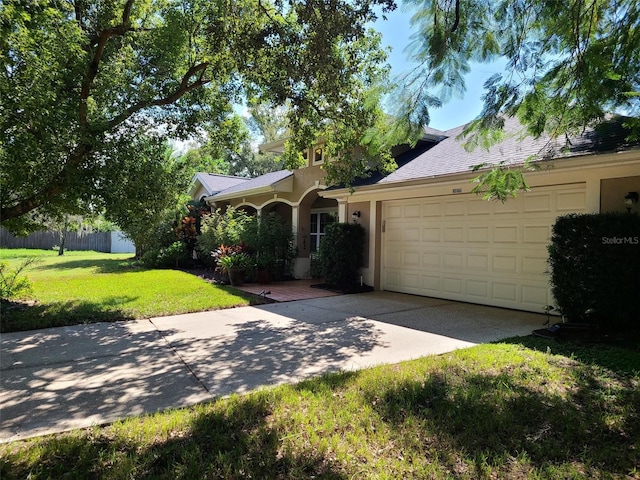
pixel 87 287
pixel 525 408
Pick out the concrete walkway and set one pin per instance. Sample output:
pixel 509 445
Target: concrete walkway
pixel 63 378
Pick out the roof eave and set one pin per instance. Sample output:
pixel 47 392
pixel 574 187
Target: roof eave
pixel 283 185
pixel 589 159
pixel 277 146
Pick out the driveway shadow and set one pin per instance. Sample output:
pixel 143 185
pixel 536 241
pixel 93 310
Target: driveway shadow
pixel 16 316
pixel 454 320
pixel 63 378
pixel 244 355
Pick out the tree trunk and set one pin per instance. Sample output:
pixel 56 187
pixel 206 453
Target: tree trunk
pixel 63 235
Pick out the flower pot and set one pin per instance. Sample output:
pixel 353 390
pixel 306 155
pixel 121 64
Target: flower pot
pixel 236 276
pixel 264 276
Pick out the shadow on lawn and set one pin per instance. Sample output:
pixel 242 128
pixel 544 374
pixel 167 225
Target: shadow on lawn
pixel 234 441
pixel 101 265
pixel 490 419
pixel 19 316
pixel 620 359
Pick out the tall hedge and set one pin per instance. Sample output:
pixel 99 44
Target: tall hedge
pixel 341 253
pixel 594 263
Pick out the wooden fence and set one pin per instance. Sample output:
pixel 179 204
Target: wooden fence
pixel 98 241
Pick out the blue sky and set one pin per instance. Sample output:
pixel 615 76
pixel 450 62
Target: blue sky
pixel 396 33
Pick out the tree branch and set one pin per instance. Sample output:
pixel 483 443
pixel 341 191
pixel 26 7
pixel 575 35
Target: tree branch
pixel 101 42
pixel 184 88
pixel 454 27
pixel 53 189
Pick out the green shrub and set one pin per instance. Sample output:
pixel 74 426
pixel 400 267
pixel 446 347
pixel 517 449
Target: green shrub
pixel 341 253
pixel 12 282
pixel 221 229
pixel 175 255
pixel 594 263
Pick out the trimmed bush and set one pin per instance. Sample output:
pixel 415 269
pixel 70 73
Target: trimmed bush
pixel 594 263
pixel 341 253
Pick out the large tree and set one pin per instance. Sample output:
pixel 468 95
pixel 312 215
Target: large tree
pixel 568 63
pixel 80 79
pixel 265 123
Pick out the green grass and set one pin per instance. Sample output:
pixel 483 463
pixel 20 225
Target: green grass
pixel 504 410
pixel 86 287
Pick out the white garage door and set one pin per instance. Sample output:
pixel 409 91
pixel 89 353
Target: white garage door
pixel 461 247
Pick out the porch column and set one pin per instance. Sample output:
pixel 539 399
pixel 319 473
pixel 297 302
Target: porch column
pixel 300 240
pixel 295 221
pixel 342 211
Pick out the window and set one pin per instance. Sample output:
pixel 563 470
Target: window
pixel 318 223
pixel 318 155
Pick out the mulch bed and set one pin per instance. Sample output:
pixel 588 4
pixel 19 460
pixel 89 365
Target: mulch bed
pixel 586 333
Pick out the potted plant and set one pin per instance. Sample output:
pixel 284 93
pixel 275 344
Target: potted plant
pixel 232 261
pixel 264 267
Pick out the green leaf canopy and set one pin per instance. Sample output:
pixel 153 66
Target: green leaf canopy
pixel 80 80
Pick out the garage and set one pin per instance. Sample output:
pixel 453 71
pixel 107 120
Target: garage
pixel 460 247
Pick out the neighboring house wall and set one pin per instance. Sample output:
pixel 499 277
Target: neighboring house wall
pixel 121 244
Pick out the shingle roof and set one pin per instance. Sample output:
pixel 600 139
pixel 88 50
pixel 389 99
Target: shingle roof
pixel 449 156
pixel 215 183
pixel 258 182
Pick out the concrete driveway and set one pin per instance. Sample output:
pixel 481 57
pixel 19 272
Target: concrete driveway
pixel 72 377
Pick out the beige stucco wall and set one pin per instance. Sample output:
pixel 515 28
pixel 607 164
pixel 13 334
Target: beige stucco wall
pixel 613 191
pixel 200 192
pixel 364 220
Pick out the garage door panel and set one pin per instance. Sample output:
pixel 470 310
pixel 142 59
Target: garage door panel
pixel 505 234
pixel 431 234
pixel 533 294
pixel 432 209
pixel 453 261
pixel 505 291
pixel 505 263
pixel 411 259
pixel 393 234
pixel 509 207
pixel 432 284
pixel 411 235
pixel 453 234
pixel 478 234
pixel 571 201
pixel 454 208
pixel 412 211
pixel 479 289
pixel 534 265
pixel 478 206
pixel 478 261
pixel 431 259
pixel 537 234
pixel 473 250
pixel 538 203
